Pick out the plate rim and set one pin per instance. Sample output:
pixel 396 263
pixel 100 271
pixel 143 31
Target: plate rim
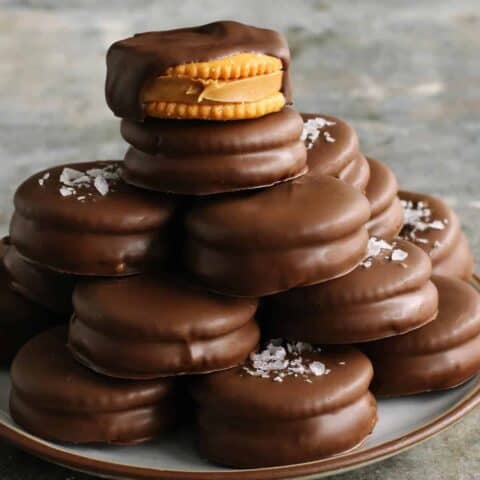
pixel 318 468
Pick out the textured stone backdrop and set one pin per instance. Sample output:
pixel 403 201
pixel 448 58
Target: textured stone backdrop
pixel 405 73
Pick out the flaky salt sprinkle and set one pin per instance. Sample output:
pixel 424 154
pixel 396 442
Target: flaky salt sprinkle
pixel 73 180
pixel 377 246
pixel 281 358
pixel 43 179
pixel 418 218
pixel 311 131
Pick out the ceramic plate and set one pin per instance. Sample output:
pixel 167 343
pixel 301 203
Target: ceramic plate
pixel 402 423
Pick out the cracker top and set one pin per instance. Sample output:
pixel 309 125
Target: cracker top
pixel 132 61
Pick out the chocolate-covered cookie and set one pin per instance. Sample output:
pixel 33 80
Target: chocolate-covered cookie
pixel 51 289
pixel 56 398
pixel 432 225
pixel 83 219
pixel 387 211
pixel 289 403
pixel 388 294
pixel 195 157
pixel 161 326
pixel 333 149
pixel 297 233
pixel 20 318
pixel 440 355
pixel 223 70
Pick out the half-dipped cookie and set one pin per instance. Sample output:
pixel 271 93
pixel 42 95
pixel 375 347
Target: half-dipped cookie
pixel 432 225
pixel 390 293
pixel 289 403
pixel 220 71
pixel 198 158
pixel 56 398
pixel 161 326
pixel 333 149
pixel 443 354
pixel 387 211
pixel 83 219
pixel 306 231
pixel 20 318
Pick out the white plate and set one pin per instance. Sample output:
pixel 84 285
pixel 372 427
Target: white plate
pixel 403 422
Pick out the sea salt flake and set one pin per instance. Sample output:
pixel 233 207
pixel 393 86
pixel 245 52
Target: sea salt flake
pixel 66 191
pixel 279 359
pixel 311 130
pixel 317 368
pixel 437 225
pixel 399 255
pixel 101 185
pixel 69 175
pixel 418 218
pixel 328 137
pixel 377 247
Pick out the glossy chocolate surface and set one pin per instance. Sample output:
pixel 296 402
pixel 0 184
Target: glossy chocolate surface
pixel 93 408
pixel 387 212
pixel 197 157
pixel 161 325
pixel 46 287
pixel 248 421
pixel 20 318
pixel 336 152
pixel 440 355
pixel 122 232
pixel 448 247
pixel 388 298
pixel 301 232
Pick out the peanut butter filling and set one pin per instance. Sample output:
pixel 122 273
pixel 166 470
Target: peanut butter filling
pixel 183 89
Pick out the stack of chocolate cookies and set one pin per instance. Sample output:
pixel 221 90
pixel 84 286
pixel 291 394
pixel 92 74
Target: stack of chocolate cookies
pixel 245 268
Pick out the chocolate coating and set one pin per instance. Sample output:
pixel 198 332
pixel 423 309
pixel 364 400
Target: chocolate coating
pixel 46 287
pixel 356 173
pixel 161 326
pixel 92 408
pixel 342 157
pixel 198 158
pixel 120 233
pixel 247 421
pixel 20 318
pixel 448 248
pixel 301 232
pixel 133 61
pixel 442 354
pixel 386 299
pixel 387 212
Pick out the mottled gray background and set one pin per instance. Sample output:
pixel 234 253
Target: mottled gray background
pixel 405 73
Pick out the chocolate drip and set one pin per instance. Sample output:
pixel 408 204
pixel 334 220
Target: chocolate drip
pixel 132 61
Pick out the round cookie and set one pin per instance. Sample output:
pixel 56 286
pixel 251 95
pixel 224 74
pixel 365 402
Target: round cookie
pixel 219 71
pixel 297 233
pixel 21 319
pixel 162 327
pixel 440 355
pixel 390 293
pixel 333 149
pixel 199 158
pixel 50 289
pixel 288 404
pixel 432 225
pixel 92 409
pixel 387 211
pixel 83 219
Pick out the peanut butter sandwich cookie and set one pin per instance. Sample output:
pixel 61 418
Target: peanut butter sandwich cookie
pixel 219 71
